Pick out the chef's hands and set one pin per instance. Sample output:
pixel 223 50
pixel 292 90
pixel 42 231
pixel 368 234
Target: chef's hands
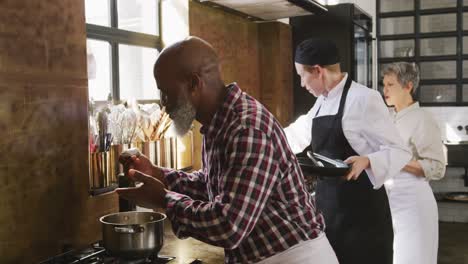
pixel 143 164
pixel 150 194
pixel 357 164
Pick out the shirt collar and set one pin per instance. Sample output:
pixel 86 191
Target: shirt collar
pixel 337 90
pixel 234 92
pixel 407 110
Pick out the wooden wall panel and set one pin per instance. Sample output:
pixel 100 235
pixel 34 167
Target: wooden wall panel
pixel 276 64
pixel 258 56
pixel 44 201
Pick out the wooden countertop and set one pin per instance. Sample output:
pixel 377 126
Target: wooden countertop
pixel 187 250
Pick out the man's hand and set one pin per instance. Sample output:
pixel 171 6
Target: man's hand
pixel 150 194
pixel 358 164
pixel 143 164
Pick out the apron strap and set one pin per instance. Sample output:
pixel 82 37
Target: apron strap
pixel 343 96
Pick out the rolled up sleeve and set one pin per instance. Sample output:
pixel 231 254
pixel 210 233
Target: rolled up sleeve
pixel 371 132
pixel 429 148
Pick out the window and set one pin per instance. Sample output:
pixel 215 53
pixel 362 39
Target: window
pixel 99 69
pixel 434 35
pixel 123 43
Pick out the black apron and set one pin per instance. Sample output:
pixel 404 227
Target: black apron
pixel 357 217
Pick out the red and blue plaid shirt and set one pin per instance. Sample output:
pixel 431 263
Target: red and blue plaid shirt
pixel 250 197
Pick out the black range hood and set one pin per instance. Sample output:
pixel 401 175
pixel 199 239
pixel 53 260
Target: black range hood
pixel 264 10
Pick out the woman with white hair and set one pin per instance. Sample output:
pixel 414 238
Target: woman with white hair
pixel 412 203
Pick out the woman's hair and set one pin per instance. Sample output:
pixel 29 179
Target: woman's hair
pixel 405 72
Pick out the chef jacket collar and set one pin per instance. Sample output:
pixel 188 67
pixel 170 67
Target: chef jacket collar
pixel 337 90
pixel 407 110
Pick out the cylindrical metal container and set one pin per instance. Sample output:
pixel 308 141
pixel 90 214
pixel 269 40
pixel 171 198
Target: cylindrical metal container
pixel 133 235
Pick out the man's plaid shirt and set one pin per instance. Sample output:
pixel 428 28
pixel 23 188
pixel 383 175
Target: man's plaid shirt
pixel 250 197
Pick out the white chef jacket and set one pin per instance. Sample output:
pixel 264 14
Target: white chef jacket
pixel 412 203
pixel 367 125
pixel 421 134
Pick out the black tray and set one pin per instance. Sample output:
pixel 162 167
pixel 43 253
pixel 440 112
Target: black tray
pixel 327 171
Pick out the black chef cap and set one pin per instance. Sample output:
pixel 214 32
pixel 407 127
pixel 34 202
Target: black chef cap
pixel 317 52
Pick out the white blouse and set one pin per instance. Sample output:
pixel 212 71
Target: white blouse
pixel 367 125
pixel 421 134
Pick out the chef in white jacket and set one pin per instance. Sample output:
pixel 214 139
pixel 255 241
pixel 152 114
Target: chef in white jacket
pixel 349 122
pixel 414 209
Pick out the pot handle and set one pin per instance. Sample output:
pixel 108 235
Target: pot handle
pixel 129 229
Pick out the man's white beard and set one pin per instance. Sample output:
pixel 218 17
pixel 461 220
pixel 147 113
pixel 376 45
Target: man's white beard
pixel 183 116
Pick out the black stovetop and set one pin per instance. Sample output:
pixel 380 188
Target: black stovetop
pixel 96 254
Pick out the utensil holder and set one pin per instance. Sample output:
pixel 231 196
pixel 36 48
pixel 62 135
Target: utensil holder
pixel 163 152
pixel 100 169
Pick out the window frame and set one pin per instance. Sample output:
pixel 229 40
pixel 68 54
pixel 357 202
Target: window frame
pixel 115 36
pixel 458 57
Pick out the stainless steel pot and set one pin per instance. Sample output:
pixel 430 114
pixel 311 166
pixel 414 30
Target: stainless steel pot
pixel 133 235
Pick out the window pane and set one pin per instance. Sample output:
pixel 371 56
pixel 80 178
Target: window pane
pixel 444 93
pixel 438 70
pixel 97 12
pixel 396 5
pixel 465 93
pixel 396 25
pixel 428 4
pixel 465 45
pixel 99 74
pixel 397 48
pixel 465 69
pixel 136 72
pixel 465 21
pixel 139 16
pixel 439 23
pixel 438 46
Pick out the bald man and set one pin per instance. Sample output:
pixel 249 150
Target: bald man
pixel 249 197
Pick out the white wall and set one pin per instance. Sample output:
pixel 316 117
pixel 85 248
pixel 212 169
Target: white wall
pixel 175 20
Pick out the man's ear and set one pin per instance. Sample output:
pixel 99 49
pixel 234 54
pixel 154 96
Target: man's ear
pixel 195 82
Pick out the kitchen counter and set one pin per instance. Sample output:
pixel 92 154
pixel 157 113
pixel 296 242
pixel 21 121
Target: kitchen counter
pixel 187 250
pixel 453 244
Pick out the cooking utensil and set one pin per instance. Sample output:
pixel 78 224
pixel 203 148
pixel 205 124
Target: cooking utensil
pixel 329 168
pixel 125 158
pixel 309 167
pixel 102 125
pixel 133 235
pixel 337 163
pixel 316 162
